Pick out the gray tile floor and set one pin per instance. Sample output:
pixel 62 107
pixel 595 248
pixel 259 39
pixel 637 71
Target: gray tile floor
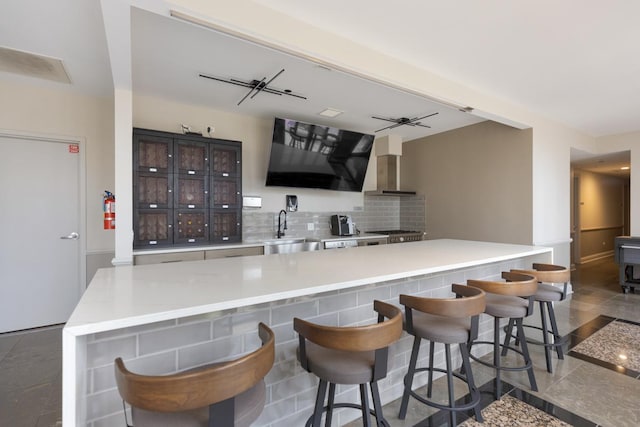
pixel 31 365
pixel 600 395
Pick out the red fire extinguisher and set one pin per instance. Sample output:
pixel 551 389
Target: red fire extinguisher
pixel 109 206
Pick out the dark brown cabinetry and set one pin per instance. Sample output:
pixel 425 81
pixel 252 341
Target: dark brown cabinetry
pixel 186 189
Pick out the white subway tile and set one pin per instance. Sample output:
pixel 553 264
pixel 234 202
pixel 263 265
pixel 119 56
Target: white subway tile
pixel 105 352
pixel 179 336
pixel 213 351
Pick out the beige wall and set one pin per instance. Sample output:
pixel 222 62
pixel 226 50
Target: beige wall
pixel 623 142
pixel 477 181
pixel 35 109
pixel 601 213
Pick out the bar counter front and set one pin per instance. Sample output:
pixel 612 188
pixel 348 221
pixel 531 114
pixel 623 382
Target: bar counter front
pixel 168 317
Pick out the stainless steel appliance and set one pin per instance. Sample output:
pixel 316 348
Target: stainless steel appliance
pixel 627 256
pixel 401 236
pixel 341 225
pixel 340 244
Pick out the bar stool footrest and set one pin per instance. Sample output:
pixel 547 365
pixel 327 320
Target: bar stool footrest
pixel 475 394
pixel 503 368
pixel 384 422
pixel 558 340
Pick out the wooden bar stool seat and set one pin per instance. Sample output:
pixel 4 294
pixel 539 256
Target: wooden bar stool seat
pixel 511 300
pixel 349 355
pixel 448 321
pixel 546 295
pixel 225 394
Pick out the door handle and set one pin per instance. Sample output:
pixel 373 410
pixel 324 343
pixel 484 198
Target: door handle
pixel 72 236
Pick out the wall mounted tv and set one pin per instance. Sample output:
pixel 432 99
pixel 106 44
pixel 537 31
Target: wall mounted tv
pixel 313 156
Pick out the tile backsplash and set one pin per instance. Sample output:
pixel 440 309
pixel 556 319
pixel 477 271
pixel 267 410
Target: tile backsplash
pixel 379 213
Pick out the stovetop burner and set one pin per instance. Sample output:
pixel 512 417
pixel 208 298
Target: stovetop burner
pixel 401 236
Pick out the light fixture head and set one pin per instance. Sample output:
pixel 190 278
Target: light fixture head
pixel 330 112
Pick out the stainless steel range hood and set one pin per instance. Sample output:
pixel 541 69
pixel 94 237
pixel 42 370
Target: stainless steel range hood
pixel 388 152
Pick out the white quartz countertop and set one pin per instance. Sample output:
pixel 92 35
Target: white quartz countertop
pixel 128 296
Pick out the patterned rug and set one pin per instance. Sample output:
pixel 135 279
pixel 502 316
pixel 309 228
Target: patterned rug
pixel 615 345
pixel 516 408
pixel 510 411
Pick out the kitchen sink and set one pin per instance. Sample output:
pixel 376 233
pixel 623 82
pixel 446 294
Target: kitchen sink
pixel 289 246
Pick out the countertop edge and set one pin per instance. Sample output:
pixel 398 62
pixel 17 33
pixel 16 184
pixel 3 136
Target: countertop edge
pixel 86 328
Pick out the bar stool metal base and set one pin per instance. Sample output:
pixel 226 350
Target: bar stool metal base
pixel 465 375
pixel 558 341
pixel 501 349
pixel 316 418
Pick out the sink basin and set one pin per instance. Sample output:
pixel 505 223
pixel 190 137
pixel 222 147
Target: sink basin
pixel 289 246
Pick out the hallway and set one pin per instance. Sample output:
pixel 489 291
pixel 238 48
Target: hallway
pixel 30 365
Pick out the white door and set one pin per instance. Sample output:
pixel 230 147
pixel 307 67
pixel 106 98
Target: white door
pixel 39 232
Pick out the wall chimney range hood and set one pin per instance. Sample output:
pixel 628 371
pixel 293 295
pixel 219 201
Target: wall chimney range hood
pixel 388 150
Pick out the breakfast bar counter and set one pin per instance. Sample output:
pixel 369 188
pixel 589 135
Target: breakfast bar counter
pixel 173 316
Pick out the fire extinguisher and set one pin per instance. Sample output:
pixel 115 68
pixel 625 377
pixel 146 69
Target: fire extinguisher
pixel 109 206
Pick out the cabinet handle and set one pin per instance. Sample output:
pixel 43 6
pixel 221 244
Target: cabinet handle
pixel 225 174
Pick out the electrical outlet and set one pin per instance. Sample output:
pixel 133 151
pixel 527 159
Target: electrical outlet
pixel 310 226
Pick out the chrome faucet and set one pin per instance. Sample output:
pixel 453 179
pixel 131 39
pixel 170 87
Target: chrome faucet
pixel 280 233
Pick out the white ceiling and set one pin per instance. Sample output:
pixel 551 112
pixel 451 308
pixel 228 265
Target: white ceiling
pixel 163 67
pixel 574 61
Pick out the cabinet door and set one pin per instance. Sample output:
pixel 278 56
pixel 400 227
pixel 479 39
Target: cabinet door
pixel 152 191
pixel 167 258
pixel 191 192
pixel 225 159
pixel 153 228
pixel 225 193
pixel 191 227
pixel 191 157
pixel 226 225
pixel 152 153
pixel 232 253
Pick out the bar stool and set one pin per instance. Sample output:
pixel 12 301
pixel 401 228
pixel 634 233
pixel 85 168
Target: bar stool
pixel 512 300
pixel 448 321
pixel 547 294
pixel 349 355
pixel 228 394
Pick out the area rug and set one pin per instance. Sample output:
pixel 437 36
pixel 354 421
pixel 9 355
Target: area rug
pixel 515 408
pixel 615 345
pixel 510 411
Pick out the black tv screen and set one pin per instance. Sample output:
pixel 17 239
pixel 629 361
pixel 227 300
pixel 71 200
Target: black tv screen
pixel 313 156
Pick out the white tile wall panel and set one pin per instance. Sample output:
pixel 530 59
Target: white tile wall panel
pixel 134 330
pixel 240 323
pixel 212 351
pixel 333 303
pixel 102 404
pixel 179 336
pixel 285 313
pixel 105 352
pixel 157 364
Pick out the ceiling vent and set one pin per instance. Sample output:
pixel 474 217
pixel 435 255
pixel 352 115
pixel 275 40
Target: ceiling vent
pixel 32 65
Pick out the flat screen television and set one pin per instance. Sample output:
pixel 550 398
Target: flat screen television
pixel 314 156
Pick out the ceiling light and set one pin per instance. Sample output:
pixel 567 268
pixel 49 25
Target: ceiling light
pixel 330 112
pixel 625 168
pixel 622 356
